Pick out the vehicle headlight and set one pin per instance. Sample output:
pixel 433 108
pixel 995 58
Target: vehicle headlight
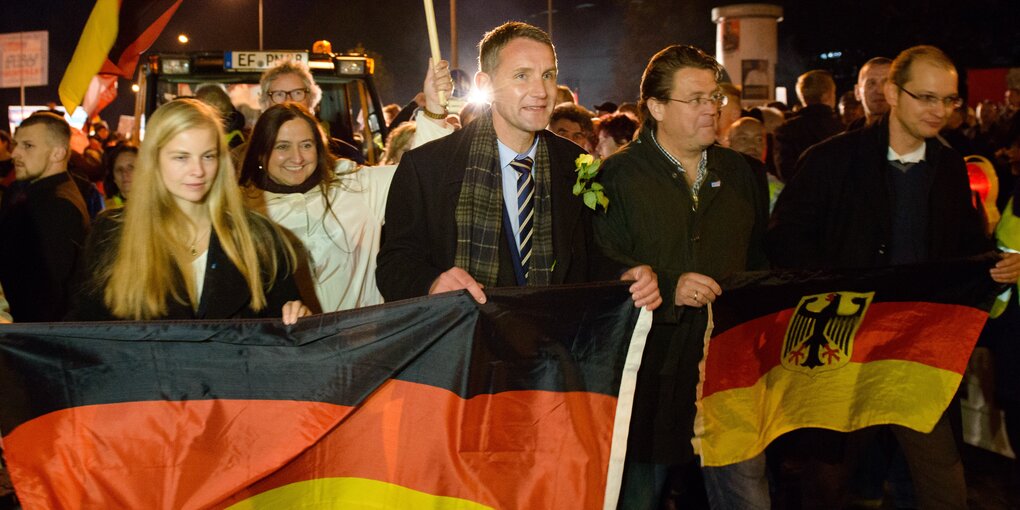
pixel 176 66
pixel 352 67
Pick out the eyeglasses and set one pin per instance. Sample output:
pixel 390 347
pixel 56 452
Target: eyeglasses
pixel 932 101
pixel 279 96
pixel 716 99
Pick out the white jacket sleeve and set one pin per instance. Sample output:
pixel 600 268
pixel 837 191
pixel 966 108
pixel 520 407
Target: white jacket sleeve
pixel 427 130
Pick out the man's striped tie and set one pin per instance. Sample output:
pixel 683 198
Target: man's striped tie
pixel 526 208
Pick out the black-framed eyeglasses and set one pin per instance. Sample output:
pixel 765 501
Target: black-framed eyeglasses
pixel 719 100
pixel 279 96
pixel 932 101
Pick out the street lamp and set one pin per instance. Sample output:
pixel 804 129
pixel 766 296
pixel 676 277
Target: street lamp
pixel 182 38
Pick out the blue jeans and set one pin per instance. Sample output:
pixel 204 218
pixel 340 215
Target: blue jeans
pixel 642 486
pixel 740 486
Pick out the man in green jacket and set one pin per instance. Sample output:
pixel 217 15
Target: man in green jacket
pixel 694 212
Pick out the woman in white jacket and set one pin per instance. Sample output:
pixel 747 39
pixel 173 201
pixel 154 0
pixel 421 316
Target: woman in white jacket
pixel 334 207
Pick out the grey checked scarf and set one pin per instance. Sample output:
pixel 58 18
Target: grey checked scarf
pixel 480 211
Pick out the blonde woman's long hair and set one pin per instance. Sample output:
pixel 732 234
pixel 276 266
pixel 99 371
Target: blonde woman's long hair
pixel 151 260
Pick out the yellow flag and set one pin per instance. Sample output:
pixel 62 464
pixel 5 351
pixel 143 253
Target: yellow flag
pixel 93 48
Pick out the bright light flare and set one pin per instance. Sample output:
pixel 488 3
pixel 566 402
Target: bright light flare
pixel 182 38
pixel 478 95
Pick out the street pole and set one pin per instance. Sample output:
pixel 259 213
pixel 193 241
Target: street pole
pixel 260 25
pixel 21 71
pixel 453 34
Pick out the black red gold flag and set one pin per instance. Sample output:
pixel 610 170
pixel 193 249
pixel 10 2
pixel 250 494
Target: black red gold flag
pixel 836 350
pixel 115 36
pixel 438 402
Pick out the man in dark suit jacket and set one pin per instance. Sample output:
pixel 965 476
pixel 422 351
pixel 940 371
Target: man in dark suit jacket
pixel 887 194
pixel 42 224
pixel 814 123
pixel 491 205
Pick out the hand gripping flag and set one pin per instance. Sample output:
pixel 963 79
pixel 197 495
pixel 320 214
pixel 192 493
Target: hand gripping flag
pixel 438 402
pixel 836 350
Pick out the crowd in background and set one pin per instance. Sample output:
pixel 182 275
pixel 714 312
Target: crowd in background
pixel 280 220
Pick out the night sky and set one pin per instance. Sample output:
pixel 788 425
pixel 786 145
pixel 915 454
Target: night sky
pixel 602 45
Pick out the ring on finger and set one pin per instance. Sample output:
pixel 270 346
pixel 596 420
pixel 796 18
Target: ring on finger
pixel 696 298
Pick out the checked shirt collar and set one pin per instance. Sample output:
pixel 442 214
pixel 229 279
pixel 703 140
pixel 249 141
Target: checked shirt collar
pixel 699 178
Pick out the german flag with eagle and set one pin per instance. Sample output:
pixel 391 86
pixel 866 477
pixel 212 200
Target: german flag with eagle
pixel 837 350
pixel 438 402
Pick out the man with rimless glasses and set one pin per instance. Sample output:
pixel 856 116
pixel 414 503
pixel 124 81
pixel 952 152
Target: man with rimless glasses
pixel 695 212
pixel 887 194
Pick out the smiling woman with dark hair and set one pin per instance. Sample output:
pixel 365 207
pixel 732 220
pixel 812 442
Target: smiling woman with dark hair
pixel 334 207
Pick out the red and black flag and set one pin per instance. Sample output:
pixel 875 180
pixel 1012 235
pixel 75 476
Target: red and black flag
pixel 836 350
pixel 115 36
pixel 438 402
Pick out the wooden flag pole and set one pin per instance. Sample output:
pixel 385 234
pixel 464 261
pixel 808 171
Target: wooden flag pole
pixel 430 20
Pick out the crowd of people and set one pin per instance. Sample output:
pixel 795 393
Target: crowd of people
pixel 207 220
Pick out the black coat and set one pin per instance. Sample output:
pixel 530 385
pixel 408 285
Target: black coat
pixel 420 234
pixel 42 230
pixel 651 220
pixel 837 213
pixel 225 293
pixel 812 125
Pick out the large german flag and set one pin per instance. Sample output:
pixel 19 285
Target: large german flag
pixel 431 403
pixel 840 351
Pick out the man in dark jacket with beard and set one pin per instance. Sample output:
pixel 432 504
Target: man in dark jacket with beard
pixel 42 224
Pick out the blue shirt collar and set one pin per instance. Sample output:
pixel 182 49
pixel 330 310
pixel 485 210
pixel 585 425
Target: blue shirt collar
pixel 506 154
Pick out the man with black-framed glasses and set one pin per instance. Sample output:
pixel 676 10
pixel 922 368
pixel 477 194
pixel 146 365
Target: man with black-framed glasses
pixel 289 81
pixel 292 81
pixel 888 194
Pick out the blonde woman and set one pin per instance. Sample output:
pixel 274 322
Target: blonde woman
pixel 184 247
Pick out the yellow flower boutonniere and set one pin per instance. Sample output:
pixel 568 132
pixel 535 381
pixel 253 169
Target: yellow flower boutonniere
pixel 587 167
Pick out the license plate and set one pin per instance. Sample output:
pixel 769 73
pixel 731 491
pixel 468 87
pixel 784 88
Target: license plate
pixel 259 60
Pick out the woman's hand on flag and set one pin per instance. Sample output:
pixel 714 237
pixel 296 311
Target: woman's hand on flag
pixel 294 310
